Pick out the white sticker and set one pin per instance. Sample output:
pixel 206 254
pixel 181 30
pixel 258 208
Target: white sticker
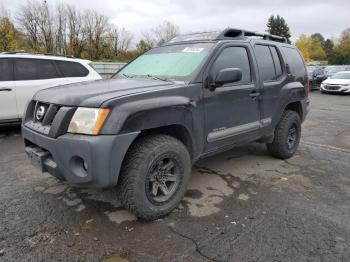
pixel 193 49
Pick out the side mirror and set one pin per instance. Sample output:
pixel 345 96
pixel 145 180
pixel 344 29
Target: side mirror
pixel 225 76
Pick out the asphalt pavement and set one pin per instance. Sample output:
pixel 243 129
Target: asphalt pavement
pixel 242 205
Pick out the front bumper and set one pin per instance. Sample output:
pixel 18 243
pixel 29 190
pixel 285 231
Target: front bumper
pixel 341 90
pixel 82 160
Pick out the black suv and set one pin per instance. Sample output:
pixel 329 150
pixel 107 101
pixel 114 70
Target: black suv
pixel 197 95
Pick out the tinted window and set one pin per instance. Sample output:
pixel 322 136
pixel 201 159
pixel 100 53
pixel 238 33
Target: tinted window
pixel 5 70
pixel 72 69
pixel 265 63
pixel 234 57
pixel 295 62
pixel 34 69
pixel 276 60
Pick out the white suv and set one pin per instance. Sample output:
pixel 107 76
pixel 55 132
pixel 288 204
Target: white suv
pixel 23 74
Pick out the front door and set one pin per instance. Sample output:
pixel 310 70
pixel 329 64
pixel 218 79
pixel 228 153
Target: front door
pixel 8 106
pixel 232 111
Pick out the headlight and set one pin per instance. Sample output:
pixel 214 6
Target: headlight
pixel 88 120
pixel 322 84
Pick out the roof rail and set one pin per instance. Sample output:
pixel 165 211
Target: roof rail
pixel 25 52
pixel 14 52
pixel 228 33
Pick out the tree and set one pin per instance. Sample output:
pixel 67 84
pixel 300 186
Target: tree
pixel 315 49
pixel 119 41
pixel 159 35
pixel 328 48
pixel 75 44
pixel 319 37
pixel 278 26
pixel 310 47
pixel 341 55
pixel 142 47
pixel 303 44
pixel 7 35
pixel 28 20
pixel 96 27
pixel 60 28
pixel 165 32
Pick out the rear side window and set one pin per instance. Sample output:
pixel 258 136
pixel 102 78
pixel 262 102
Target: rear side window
pixel 295 62
pixel 276 60
pixel 72 69
pixel 234 57
pixel 265 63
pixel 5 73
pixel 34 69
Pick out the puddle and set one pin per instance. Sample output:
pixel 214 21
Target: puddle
pixel 208 190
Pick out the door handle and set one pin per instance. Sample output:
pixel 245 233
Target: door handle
pixel 5 89
pixel 254 94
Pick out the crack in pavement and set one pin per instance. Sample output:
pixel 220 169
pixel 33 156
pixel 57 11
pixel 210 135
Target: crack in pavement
pixel 198 250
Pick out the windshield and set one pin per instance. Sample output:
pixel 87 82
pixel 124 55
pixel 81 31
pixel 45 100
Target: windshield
pixel 175 62
pixel 341 76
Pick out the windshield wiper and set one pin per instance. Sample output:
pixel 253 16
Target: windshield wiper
pixel 158 78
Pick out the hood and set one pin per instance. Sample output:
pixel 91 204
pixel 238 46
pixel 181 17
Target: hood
pixel 330 81
pixel 94 93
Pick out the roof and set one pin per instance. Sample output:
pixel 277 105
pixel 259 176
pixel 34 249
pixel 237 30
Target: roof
pixel 227 34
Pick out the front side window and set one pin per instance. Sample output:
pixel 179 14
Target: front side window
pixel 5 74
pixel 175 62
pixel 72 69
pixel 234 57
pixel 34 69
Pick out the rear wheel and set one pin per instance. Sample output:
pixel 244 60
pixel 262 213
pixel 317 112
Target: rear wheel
pixel 287 136
pixel 154 176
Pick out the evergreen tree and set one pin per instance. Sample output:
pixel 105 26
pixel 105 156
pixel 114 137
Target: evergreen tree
pixel 278 26
pixel 319 37
pixel 328 48
pixel 341 54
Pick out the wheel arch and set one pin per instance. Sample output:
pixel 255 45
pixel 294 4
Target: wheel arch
pixel 177 131
pixel 295 106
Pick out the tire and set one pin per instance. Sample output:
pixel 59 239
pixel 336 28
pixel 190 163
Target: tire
pixel 287 136
pixel 150 161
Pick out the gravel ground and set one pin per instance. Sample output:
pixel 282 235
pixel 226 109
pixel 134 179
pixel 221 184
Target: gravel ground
pixel 242 205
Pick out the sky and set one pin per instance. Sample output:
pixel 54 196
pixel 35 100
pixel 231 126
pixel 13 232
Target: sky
pixel 327 17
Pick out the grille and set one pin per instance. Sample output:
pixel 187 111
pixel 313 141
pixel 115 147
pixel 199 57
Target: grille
pixel 332 87
pixel 52 120
pixel 44 113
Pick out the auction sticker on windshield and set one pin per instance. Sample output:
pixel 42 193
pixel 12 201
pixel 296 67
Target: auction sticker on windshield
pixel 193 49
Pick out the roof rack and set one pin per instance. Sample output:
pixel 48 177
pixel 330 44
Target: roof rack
pixel 25 52
pixel 228 33
pixel 236 33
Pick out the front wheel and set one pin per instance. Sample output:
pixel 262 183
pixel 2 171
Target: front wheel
pixel 154 176
pixel 287 136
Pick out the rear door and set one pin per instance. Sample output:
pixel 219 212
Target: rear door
pixel 32 75
pixel 8 106
pixel 232 111
pixel 272 79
